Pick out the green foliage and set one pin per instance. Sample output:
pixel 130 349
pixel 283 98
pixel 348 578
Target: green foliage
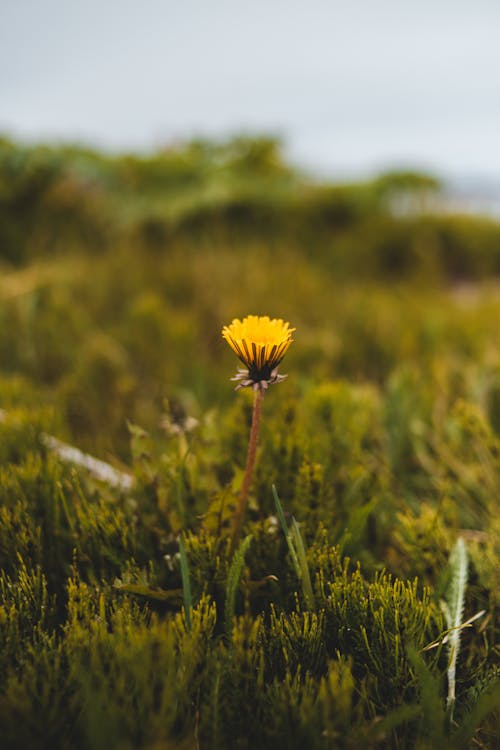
pixel 123 621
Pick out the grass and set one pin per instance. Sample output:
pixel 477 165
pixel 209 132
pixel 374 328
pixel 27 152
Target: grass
pixel 124 620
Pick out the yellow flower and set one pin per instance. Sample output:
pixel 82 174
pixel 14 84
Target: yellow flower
pixel 261 343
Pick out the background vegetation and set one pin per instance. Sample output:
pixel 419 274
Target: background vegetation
pixel 116 276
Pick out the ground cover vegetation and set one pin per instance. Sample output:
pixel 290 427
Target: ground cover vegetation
pixel 372 528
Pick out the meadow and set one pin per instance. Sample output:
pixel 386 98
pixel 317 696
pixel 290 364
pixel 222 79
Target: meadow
pixel 359 608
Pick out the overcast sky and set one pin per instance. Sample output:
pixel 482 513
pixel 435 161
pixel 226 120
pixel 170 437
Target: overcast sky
pixel 351 85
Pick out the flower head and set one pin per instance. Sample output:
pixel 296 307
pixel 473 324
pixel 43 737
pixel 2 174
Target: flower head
pixel 261 343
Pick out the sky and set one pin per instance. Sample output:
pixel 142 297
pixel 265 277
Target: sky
pixel 352 87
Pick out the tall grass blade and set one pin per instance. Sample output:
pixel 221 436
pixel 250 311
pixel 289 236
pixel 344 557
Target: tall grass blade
pixel 286 531
pixel 297 552
pixel 453 608
pixel 186 584
pixel 432 711
pixel 233 580
pixel 305 577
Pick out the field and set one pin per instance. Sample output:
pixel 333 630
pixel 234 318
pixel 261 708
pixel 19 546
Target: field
pixel 358 608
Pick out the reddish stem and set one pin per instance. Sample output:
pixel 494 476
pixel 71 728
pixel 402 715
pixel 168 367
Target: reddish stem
pixel 239 514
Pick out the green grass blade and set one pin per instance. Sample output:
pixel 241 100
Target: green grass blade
pixel 297 551
pixel 305 577
pixel 233 580
pixel 186 584
pixel 432 710
pixel 286 531
pixel 487 703
pixel 453 608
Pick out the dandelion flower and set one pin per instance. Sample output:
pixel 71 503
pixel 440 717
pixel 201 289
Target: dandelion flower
pixel 260 343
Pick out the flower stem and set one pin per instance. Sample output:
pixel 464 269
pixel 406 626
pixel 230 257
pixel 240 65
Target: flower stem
pixel 239 514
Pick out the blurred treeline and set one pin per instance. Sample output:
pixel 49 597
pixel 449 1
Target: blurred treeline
pixel 61 199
